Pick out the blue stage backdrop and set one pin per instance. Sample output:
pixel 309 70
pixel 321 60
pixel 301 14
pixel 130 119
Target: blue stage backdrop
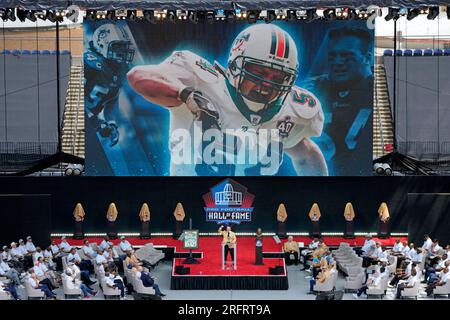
pixel 228 99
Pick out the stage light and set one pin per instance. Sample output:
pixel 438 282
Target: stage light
pixel 412 13
pixel 50 15
pixel 193 17
pixel 329 15
pixel 378 168
pixel 433 12
pixel 393 14
pixel 149 15
pixel 21 15
pixel 270 16
pixel 171 16
pixel 74 169
pixel 252 16
pixel 387 169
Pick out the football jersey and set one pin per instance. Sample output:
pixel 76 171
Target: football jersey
pixel 284 124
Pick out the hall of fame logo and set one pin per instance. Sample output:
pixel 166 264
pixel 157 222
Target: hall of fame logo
pixel 228 202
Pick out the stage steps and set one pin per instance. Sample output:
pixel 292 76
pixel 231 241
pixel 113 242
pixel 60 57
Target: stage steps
pixel 73 119
pixel 382 119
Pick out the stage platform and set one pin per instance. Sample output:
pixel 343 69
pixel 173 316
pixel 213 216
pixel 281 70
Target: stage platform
pixel 208 275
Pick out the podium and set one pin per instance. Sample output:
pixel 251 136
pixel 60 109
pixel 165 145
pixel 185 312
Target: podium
pixel 223 257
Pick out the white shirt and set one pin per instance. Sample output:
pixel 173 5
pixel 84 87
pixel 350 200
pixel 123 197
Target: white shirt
pixel 37 255
pixel 105 244
pixel 108 256
pixel 427 244
pixel 65 245
pixel 38 271
pixel 48 254
pixel 377 253
pixel 74 270
pixel 73 257
pixel 32 282
pixel 418 257
pixel 375 280
pixel 70 284
pixel 30 247
pixel 89 251
pixel 367 245
pixel 436 249
pixel 55 249
pixel 411 281
pixel 125 246
pixel 314 245
pixel 99 259
pixel 6 256
pixel 23 249
pixel 411 253
pixel 110 280
pixel 405 251
pixel 408 269
pixel 445 276
pixel 4 266
pixel 398 247
pixel 16 253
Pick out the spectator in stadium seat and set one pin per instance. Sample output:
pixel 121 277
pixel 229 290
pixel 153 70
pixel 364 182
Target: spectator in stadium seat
pixel 113 280
pixel 88 250
pixel 149 281
pixel 36 284
pixel 124 245
pixel 41 273
pixel 321 277
pixel 57 253
pixel 398 246
pixel 290 247
pixel 440 280
pixel 373 281
pixel 72 282
pixel 8 272
pixel 404 275
pixel 427 244
pixel 410 282
pixel 6 254
pixel 64 246
pixel 84 275
pixel 306 254
pixel 368 243
pixel 106 243
pixel 430 272
pixel 9 288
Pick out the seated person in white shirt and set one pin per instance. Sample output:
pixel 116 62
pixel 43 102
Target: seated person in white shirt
pixel 71 283
pixel 6 254
pixel 9 289
pixel 64 246
pixel 398 246
pixel 84 275
pixel 418 256
pixel 430 272
pixel 109 256
pixel 41 273
pixel 106 243
pixel 22 248
pixel 409 283
pixel 10 273
pixel 440 280
pixel 88 250
pixel 411 252
pixel 368 243
pixel 113 280
pixel 373 281
pixel 36 284
pixel 16 253
pixel 403 275
pixel 124 245
pixel 427 244
pixel 30 246
pixel 48 258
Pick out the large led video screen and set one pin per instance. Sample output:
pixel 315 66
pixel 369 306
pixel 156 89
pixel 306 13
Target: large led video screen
pixel 228 98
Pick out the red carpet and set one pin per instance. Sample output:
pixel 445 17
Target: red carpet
pixel 210 264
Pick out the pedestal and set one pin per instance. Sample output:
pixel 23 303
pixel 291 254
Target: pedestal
pixel 112 233
pixel 178 229
pixel 315 229
pixel 145 232
pixel 349 233
pixel 78 234
pixel 259 255
pixel 282 230
pixel 383 232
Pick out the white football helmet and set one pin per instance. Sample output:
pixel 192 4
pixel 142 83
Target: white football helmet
pixel 113 43
pixel 268 46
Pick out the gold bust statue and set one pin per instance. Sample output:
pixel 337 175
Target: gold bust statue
pixel 281 213
pixel 349 212
pixel 112 213
pixel 78 213
pixel 179 212
pixel 144 214
pixel 314 213
pixel 383 212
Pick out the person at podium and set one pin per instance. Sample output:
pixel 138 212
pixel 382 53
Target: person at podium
pixel 229 241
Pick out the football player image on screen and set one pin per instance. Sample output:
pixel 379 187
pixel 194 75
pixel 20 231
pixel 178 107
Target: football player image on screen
pixel 249 109
pixel 106 62
pixel 346 92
